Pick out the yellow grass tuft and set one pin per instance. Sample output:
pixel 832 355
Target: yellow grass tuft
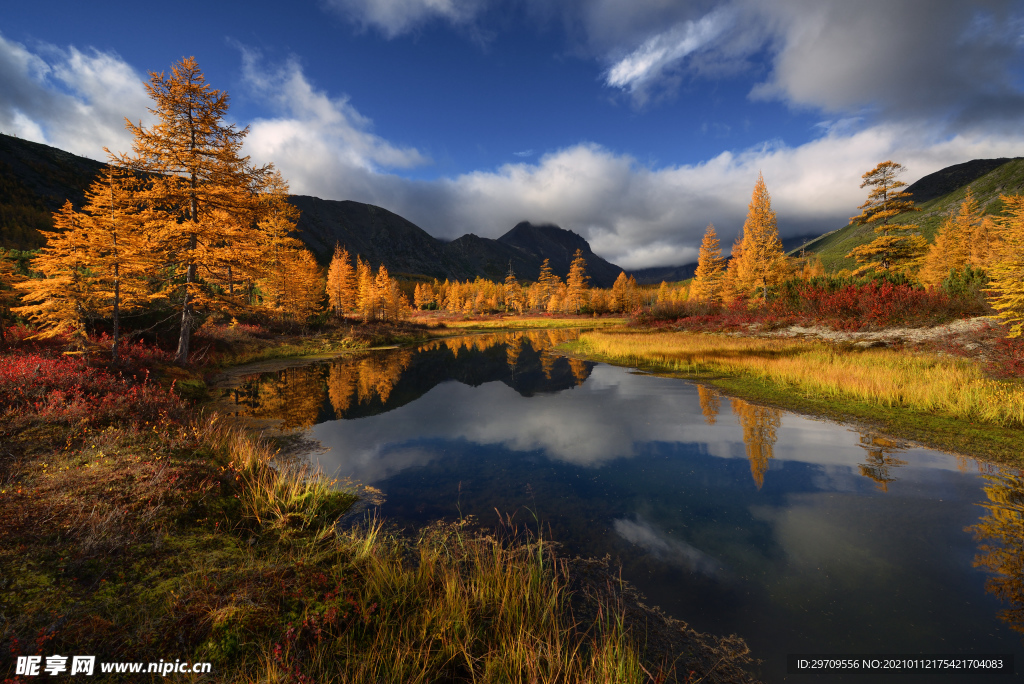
pixel 881 377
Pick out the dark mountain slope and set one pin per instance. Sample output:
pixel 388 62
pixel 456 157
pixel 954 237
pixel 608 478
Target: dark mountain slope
pixel 557 244
pixel 35 181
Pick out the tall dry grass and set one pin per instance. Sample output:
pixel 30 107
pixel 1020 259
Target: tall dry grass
pixel 451 605
pixel 881 377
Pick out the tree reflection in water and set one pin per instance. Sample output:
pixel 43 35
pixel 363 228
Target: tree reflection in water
pixel 364 384
pixel 1001 544
pixel 710 403
pixel 760 425
pixel 881 459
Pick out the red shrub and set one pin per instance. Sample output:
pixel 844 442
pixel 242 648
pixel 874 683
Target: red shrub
pixel 68 390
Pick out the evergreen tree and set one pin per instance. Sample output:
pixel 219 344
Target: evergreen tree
pixel 707 281
pixel 897 247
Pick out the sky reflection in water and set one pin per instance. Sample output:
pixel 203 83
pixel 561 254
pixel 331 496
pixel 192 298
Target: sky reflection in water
pixel 800 535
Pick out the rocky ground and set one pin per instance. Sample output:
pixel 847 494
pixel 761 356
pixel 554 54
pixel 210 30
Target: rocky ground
pixel 973 335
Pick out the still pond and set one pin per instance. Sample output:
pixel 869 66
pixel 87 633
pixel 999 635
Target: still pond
pixel 800 535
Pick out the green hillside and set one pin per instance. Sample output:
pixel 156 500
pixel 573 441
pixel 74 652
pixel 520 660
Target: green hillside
pixel 1006 179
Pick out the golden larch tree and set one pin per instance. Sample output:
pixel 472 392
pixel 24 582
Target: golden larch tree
pixel 762 258
pixel 63 299
pixel 576 283
pixel 341 282
pixel 200 185
pixel 119 253
pixel 707 281
pixel 897 246
pixel 952 246
pixel 1006 290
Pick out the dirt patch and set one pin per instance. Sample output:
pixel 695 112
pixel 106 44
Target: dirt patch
pixel 967 334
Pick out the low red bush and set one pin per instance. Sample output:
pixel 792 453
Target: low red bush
pixel 68 390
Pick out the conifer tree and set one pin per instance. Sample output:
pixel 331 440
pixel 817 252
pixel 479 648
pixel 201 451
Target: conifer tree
pixel 952 246
pixel 897 247
pixel 1006 291
pixel 63 299
pixel 513 293
pixel 199 186
pixel 707 281
pixel 762 261
pixel 341 282
pixel 547 284
pixel 576 283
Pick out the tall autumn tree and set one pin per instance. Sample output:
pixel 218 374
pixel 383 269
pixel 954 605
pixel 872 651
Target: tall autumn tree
pixel 897 246
pixel 576 283
pixel 707 281
pixel 341 282
pixel 118 252
pixel 199 186
pixel 63 300
pixel 763 260
pixel 952 247
pixel 1006 291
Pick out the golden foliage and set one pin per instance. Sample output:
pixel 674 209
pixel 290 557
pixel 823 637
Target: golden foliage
pixel 881 460
pixel 201 191
pixel 710 404
pixel 1001 547
pixel 897 247
pixel 707 281
pixel 760 431
pixel 1006 291
pixel 952 248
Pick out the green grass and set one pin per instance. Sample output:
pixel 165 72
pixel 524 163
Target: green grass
pixel 941 401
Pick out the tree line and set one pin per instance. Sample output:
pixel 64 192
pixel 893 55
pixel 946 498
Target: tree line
pixel 968 244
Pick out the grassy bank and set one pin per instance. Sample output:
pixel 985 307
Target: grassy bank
pixel 944 401
pixel 137 530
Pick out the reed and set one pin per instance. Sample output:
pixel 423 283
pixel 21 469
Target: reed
pixel 881 377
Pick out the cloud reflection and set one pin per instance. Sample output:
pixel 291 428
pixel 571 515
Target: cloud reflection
pixel 663 547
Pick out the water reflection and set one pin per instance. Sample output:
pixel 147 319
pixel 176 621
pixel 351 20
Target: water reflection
pixel 760 426
pixel 881 460
pixel 801 535
pixel 1001 544
pixel 368 384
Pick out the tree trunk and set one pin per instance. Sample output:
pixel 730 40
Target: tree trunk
pixel 117 312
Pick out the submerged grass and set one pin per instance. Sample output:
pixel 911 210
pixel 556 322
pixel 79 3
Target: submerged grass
pixel 901 387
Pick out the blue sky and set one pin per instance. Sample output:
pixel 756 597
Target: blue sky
pixel 633 122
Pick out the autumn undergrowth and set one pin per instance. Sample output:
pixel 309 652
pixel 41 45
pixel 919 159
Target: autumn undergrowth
pixel 137 529
pixel 837 303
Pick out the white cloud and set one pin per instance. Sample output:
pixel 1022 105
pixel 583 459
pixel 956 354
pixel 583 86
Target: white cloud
pixel 314 131
pixel 664 50
pixel 637 215
pixel 396 17
pixel 70 99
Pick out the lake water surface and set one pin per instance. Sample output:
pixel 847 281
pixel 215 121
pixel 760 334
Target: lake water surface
pixel 800 535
